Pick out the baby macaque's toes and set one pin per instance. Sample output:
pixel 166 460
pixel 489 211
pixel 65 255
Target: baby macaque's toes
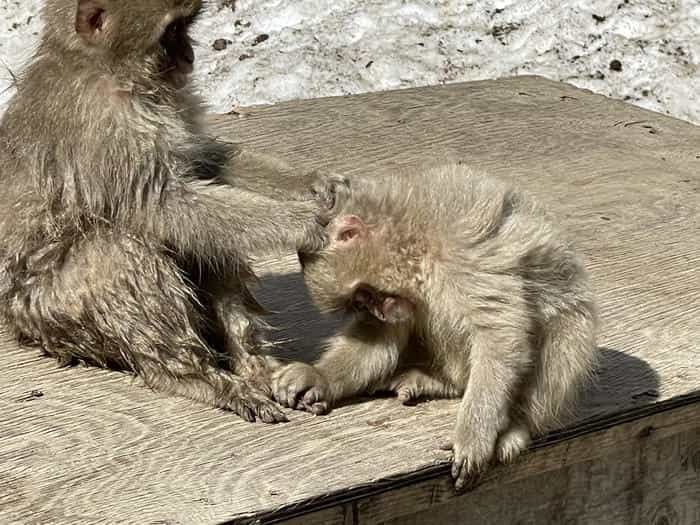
pixel 512 442
pixel 252 406
pixel 409 386
pixel 406 396
pixel 302 387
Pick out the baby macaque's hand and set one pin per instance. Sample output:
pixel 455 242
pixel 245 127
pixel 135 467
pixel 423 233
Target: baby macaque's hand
pixel 302 387
pixel 473 449
pixel 331 191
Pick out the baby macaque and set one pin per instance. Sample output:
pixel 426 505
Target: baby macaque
pixel 458 285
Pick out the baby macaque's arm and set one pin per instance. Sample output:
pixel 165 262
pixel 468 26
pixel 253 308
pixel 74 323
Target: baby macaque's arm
pixel 499 356
pixel 359 359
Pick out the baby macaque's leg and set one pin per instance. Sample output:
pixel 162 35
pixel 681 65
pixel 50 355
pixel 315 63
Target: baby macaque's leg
pixel 362 357
pixel 414 383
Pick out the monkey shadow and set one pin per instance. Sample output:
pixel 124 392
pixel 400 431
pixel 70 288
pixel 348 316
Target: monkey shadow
pixel 298 330
pixel 622 381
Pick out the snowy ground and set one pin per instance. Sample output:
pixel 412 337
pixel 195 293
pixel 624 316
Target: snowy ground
pixel 274 50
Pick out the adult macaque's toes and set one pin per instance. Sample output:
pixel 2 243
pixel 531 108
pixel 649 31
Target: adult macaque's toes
pixel 241 409
pixel 272 414
pixel 253 406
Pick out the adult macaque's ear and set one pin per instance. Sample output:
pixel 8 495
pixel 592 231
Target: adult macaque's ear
pixel 349 228
pixel 395 309
pixel 90 19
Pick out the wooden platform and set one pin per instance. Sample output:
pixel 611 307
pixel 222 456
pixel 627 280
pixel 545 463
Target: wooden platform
pixel 87 446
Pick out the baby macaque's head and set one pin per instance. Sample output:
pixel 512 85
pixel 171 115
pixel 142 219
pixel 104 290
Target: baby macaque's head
pixel 360 271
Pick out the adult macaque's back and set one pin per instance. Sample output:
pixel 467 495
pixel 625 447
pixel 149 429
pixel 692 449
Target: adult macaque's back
pixel 120 246
pixel 457 285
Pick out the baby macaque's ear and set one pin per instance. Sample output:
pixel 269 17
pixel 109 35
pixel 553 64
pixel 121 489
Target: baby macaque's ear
pixel 90 19
pixel 387 308
pixel 395 309
pixel 349 228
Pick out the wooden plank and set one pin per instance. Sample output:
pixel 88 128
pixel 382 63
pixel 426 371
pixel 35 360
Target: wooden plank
pixel 643 472
pixel 427 496
pixel 95 447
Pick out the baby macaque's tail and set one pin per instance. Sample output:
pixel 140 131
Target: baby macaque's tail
pixel 566 361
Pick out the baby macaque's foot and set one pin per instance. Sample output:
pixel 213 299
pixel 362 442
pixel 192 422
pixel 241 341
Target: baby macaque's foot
pixel 253 404
pixel 302 387
pixel 512 442
pixel 413 384
pixel 406 387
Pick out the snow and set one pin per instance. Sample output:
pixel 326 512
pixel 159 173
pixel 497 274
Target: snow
pixel 336 47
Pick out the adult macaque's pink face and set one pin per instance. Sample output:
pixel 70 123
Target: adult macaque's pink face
pixel 153 35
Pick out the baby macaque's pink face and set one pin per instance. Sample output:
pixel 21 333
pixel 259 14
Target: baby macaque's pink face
pixel 348 274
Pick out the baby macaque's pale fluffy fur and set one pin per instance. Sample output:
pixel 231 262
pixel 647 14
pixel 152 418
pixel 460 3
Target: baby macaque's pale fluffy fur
pixel 459 286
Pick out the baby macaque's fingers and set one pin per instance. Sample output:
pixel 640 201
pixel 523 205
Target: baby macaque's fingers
pixel 280 387
pixel 473 451
pixel 459 473
pixel 463 472
pixel 320 408
pixel 314 401
pixel 317 409
pixel 407 396
pixel 332 191
pixel 297 386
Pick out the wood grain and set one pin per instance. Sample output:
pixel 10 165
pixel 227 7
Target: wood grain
pixel 634 475
pixel 606 475
pixel 98 447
